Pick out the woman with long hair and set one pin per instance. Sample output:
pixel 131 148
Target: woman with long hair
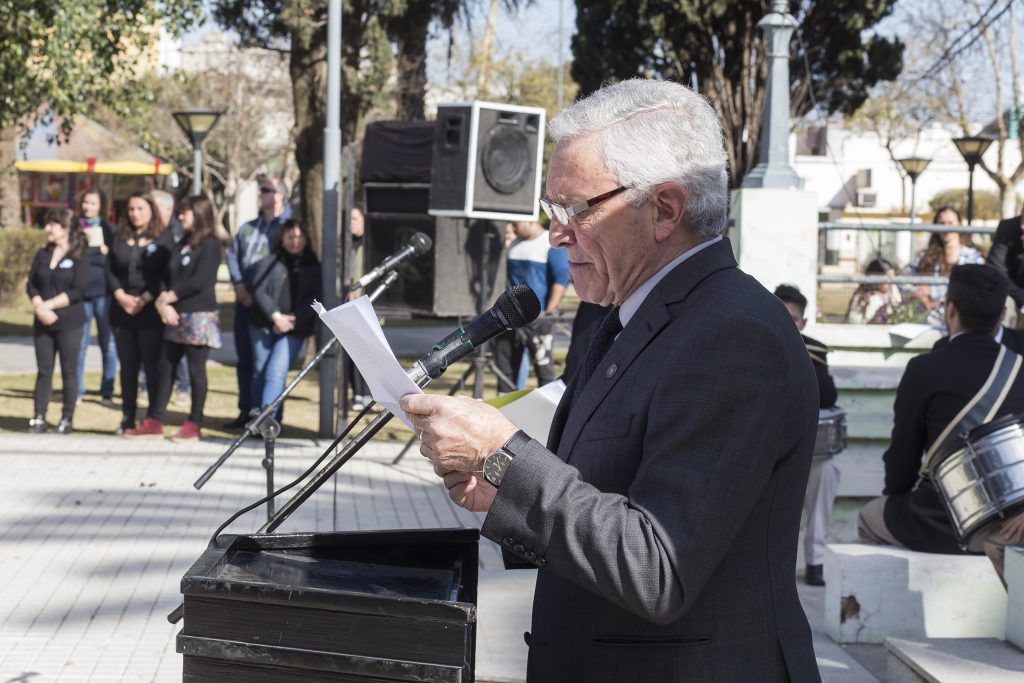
pixel 282 317
pixel 944 250
pixel 188 308
pixel 56 281
pixel 99 234
pixel 136 266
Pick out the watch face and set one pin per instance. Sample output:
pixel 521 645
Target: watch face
pixel 495 466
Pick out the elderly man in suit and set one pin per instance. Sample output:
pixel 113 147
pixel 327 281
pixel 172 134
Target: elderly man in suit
pixel 664 511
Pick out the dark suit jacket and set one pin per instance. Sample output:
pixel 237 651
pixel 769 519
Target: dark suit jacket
pixel 1007 256
pixel 934 388
pixel 665 515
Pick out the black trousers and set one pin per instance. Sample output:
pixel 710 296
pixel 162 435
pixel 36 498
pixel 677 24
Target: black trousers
pixel 508 353
pixel 48 344
pixel 170 358
pixel 138 348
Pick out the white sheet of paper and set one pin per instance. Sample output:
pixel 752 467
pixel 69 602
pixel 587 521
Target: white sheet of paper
pixel 533 413
pixel 356 326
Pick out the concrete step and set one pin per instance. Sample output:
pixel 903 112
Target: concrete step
pixel 953 660
pixel 878 592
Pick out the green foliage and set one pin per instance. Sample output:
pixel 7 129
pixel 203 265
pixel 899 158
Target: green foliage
pixel 17 249
pixel 57 56
pixel 986 203
pixel 718 46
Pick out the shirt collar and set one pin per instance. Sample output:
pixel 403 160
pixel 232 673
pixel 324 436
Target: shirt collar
pixel 632 303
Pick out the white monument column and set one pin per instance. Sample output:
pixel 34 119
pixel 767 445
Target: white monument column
pixel 775 222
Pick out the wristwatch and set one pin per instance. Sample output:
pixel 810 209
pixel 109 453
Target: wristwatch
pixel 497 463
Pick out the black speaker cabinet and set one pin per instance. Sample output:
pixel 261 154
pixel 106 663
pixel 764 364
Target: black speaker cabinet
pixel 487 161
pixel 445 282
pixel 344 607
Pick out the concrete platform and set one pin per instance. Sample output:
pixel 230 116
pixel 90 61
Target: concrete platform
pixel 953 660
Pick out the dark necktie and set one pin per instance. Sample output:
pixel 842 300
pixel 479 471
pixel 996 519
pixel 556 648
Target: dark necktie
pixel 599 345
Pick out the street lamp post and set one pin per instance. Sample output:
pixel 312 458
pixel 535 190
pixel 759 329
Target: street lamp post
pixel 913 167
pixel 197 124
pixel 972 148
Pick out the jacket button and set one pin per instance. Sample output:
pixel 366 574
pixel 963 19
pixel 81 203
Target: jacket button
pixel 507 541
pixel 519 548
pixel 530 555
pixel 612 369
pixel 541 562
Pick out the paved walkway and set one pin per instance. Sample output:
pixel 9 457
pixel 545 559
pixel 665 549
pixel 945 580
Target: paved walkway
pixel 96 532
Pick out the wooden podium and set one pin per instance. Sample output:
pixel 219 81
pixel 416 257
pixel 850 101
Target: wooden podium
pixel 360 606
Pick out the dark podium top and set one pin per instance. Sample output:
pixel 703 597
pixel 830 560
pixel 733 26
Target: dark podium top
pixel 358 606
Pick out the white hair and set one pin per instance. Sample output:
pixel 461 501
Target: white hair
pixel 651 132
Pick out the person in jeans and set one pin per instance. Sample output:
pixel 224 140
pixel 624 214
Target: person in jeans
pixel 56 281
pixel 99 235
pixel 188 308
pixel 255 240
pixel 136 266
pixel 281 318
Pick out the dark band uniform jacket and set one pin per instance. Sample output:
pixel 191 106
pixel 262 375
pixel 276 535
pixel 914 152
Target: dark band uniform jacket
pixel 934 388
pixel 818 352
pixel 1007 256
pixel 666 526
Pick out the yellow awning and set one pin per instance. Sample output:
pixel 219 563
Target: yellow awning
pixel 105 167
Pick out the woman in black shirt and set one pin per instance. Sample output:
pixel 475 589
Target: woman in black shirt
pixel 136 266
pixel 55 284
pixel 188 308
pixel 282 317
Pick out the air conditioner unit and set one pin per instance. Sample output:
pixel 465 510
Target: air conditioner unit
pixel 867 198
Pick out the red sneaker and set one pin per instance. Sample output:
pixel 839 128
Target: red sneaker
pixel 149 427
pixel 189 432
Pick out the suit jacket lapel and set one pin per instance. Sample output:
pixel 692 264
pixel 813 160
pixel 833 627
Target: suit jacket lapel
pixel 645 325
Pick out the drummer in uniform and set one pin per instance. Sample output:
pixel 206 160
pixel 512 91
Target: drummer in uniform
pixel 823 480
pixel 933 392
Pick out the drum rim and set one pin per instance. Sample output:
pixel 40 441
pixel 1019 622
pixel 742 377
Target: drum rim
pixel 976 434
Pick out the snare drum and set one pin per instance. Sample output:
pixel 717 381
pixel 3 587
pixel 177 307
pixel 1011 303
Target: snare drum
pixel 981 478
pixel 831 437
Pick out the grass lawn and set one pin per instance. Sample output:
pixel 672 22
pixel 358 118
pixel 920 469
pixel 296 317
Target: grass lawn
pixel 302 408
pixel 301 417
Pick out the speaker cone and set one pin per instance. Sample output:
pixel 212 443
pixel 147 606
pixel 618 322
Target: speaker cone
pixel 505 159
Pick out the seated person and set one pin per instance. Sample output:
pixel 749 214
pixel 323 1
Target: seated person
pixel 823 480
pixel 875 304
pixel 934 389
pixel 945 250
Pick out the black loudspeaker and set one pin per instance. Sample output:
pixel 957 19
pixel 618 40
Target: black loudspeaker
pixel 446 281
pixel 487 161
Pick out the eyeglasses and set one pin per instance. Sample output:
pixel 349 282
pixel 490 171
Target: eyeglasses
pixel 267 190
pixel 562 214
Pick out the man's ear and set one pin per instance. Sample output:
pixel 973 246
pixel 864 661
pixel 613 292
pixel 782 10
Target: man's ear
pixel 669 201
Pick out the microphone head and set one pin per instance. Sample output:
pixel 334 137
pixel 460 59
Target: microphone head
pixel 420 243
pixel 519 305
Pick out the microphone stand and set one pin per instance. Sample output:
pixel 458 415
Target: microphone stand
pixel 266 426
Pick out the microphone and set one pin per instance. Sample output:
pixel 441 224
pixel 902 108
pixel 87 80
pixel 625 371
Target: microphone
pixel 516 307
pixel 417 245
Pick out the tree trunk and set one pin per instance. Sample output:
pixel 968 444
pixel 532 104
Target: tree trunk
pixel 411 63
pixel 484 75
pixel 10 190
pixel 308 68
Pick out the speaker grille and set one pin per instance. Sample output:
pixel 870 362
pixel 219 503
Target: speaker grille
pixel 505 159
